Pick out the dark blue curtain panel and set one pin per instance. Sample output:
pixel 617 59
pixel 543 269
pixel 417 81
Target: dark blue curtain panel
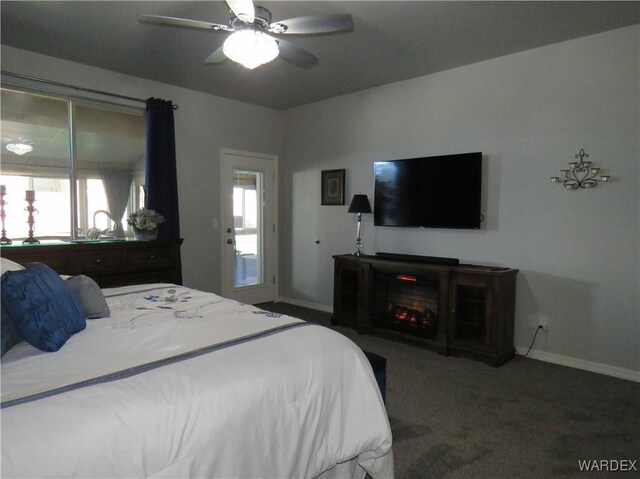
pixel 161 179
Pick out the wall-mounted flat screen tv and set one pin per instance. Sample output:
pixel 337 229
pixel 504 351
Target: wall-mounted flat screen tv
pixel 430 192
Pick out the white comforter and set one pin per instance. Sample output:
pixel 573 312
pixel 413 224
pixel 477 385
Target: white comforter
pixel 297 403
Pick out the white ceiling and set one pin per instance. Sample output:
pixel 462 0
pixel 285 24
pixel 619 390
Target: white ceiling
pixel 392 41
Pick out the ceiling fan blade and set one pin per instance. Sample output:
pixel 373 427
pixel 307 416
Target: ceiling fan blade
pixel 243 9
pixel 216 57
pixel 315 24
pixel 182 22
pixel 295 55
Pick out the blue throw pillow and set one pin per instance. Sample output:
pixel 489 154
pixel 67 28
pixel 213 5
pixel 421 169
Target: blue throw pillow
pixel 9 335
pixel 43 308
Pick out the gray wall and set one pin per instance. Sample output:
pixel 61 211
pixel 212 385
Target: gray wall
pixel 204 124
pixel 529 113
pixel 578 252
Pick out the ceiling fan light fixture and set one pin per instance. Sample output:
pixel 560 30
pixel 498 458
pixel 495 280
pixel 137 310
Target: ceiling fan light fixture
pixel 251 48
pixel 243 9
pixel 19 148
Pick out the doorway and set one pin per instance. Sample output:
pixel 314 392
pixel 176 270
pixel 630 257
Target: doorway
pixel 248 226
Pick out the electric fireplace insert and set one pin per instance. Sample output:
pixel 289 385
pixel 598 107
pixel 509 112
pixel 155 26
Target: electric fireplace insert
pixel 406 303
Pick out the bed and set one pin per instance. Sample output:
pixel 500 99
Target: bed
pixel 181 383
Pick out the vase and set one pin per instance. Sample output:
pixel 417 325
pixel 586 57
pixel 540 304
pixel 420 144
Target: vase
pixel 145 235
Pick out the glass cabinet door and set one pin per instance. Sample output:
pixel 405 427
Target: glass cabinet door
pixel 470 312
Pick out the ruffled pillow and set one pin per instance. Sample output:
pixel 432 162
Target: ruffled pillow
pixel 42 307
pixel 8 334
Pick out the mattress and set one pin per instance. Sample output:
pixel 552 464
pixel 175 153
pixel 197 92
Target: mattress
pixel 182 383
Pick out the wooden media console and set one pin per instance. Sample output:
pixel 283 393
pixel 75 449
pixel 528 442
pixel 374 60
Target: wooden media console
pixel 453 309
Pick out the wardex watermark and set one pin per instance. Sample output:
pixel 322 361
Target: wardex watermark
pixel 607 465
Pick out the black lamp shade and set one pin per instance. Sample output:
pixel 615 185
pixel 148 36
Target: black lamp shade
pixel 360 204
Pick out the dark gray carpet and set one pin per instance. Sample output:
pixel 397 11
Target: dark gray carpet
pixel 459 418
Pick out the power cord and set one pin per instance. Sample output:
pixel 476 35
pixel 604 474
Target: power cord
pixel 532 342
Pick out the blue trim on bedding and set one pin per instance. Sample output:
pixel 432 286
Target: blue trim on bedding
pixel 133 371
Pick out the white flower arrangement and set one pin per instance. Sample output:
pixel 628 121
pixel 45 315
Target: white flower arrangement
pixel 145 219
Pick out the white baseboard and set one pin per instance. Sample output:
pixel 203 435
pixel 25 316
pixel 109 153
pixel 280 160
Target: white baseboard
pixel 591 366
pixel 568 361
pixel 305 304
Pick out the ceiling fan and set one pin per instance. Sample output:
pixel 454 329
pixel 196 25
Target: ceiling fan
pixel 253 40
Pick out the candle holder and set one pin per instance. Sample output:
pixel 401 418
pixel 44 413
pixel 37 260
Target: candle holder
pixel 580 174
pixel 4 239
pixel 31 209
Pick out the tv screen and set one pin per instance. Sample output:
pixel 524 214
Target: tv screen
pixel 430 192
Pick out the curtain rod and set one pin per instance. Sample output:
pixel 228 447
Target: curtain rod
pixel 66 85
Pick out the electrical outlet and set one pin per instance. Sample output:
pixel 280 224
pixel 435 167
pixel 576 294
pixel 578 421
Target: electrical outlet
pixel 542 321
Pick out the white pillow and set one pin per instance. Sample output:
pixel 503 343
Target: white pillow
pixel 8 265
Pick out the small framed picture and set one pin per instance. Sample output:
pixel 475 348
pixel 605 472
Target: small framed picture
pixel 332 187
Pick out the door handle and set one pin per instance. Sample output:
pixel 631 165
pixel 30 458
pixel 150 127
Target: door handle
pixel 228 230
pixel 229 241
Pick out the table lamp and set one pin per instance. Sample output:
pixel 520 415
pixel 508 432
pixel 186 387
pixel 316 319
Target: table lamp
pixel 359 204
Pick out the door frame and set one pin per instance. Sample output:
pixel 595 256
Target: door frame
pixel 271 255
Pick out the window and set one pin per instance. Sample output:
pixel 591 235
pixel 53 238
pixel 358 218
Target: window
pixel 94 184
pixel 246 211
pixel 247 217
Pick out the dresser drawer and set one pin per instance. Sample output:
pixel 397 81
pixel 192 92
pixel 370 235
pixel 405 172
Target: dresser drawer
pixel 140 277
pixel 59 263
pixel 110 263
pixel 83 262
pixel 151 258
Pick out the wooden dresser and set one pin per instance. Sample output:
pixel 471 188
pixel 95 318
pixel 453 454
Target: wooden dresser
pixel 115 263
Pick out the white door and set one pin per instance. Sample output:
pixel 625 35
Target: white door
pixel 248 226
